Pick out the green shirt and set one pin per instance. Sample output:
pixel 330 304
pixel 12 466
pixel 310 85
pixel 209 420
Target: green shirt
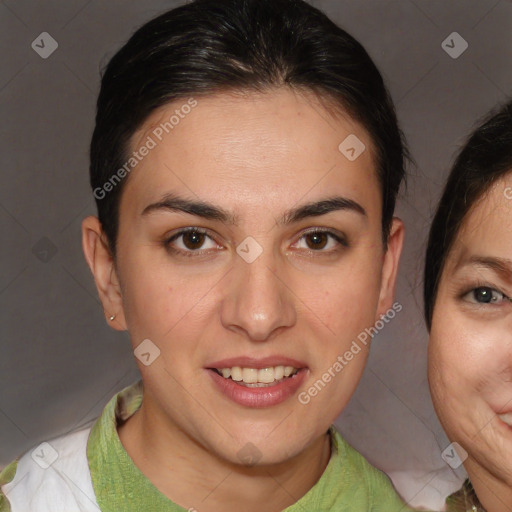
pixel 349 483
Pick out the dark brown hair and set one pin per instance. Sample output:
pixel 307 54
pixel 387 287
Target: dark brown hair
pixel 209 46
pixel 485 158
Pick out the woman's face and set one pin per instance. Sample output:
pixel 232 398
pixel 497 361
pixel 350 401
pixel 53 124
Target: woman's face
pixel 248 240
pixel 470 352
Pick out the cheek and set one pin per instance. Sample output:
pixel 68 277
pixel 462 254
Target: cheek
pixel 346 300
pixel 357 290
pixel 467 358
pixel 156 298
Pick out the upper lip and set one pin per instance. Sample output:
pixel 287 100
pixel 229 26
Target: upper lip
pixel 259 363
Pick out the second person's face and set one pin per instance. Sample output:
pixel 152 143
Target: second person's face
pixel 470 351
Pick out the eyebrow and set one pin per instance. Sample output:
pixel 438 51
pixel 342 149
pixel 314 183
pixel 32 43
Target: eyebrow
pixel 170 202
pixel 501 266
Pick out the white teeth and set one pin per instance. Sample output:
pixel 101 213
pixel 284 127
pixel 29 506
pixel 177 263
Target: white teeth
pixel 265 375
pixel 278 372
pixel 506 418
pixel 250 375
pixel 288 370
pixel 255 376
pixel 236 373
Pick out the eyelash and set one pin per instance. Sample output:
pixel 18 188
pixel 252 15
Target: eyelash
pixel 180 252
pixel 478 286
pixel 198 253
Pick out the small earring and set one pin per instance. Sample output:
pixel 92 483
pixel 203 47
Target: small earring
pixel 112 318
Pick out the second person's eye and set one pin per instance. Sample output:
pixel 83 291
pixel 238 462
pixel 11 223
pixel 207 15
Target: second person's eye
pixel 485 295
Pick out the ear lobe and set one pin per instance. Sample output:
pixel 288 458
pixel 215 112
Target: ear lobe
pixel 101 263
pixel 390 266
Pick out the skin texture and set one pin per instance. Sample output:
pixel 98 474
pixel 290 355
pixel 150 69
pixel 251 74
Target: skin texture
pixel 470 351
pixel 256 155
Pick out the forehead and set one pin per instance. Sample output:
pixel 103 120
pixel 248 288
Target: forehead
pixel 257 147
pixel 487 227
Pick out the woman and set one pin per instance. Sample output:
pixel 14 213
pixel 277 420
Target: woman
pixel 245 163
pixel 468 310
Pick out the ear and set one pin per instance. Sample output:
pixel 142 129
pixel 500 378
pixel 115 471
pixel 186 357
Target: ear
pixel 101 263
pixel 390 266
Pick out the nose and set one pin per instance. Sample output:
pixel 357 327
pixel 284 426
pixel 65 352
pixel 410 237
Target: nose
pixel 258 301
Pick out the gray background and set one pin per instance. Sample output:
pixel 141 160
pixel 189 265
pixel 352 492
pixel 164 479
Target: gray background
pixel 60 363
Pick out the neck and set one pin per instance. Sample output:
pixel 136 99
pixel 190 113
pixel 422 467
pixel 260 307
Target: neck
pixel 190 476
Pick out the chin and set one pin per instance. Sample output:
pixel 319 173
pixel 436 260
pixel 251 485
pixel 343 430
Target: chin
pixel 264 449
pixel 493 454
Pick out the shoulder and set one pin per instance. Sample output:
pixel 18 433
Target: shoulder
pixel 364 479
pixel 52 477
pixel 6 476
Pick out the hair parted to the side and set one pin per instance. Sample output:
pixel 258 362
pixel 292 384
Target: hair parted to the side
pixel 210 46
pixel 485 158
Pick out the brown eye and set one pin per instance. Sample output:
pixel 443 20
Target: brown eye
pixel 193 239
pixel 321 241
pixel 190 242
pixel 317 240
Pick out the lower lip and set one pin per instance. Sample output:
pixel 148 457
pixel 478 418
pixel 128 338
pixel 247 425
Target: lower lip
pixel 259 397
pixel 506 425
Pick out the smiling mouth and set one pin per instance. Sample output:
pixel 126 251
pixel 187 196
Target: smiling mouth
pixel 506 418
pixel 257 377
